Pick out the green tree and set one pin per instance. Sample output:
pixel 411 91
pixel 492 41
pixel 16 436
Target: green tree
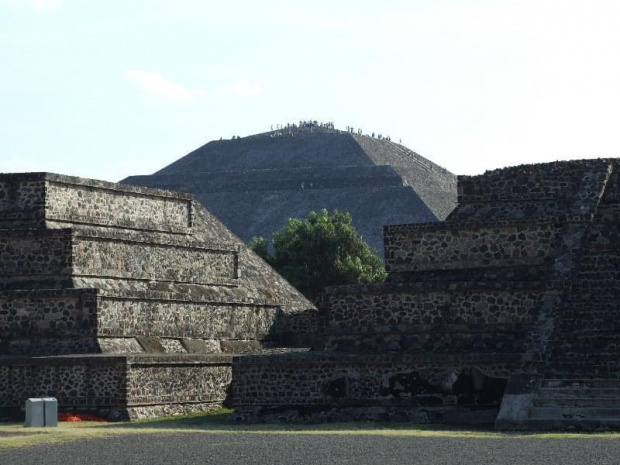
pixel 321 250
pixel 260 245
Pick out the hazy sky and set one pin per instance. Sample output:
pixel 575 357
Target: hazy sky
pixel 107 89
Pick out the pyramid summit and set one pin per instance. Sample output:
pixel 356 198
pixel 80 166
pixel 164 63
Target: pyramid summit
pixel 255 184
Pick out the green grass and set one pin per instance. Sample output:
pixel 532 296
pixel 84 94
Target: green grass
pixel 219 422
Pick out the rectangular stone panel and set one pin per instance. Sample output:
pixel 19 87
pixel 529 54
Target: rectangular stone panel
pixel 120 317
pixel 364 380
pixel 116 207
pixel 117 258
pixel 21 195
pixel 529 184
pixel 48 314
pixel 22 201
pixel 444 246
pixel 28 254
pixel 76 382
pixel 168 383
pixel 532 186
pixel 359 312
pixel 115 382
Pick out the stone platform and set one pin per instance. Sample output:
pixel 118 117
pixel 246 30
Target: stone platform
pixel 517 288
pixel 129 301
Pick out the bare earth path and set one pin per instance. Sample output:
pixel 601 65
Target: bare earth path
pixel 304 449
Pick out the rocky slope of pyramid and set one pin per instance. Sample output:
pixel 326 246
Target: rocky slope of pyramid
pixel 254 184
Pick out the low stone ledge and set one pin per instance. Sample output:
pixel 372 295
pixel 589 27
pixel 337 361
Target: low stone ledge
pixel 486 224
pixel 330 414
pixel 456 329
pixel 429 287
pixel 307 358
pixel 131 359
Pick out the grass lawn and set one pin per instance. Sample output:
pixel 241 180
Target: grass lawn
pixel 16 435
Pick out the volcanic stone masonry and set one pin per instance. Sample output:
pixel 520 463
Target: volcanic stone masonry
pixel 507 312
pixel 255 184
pixel 128 301
pixel 134 302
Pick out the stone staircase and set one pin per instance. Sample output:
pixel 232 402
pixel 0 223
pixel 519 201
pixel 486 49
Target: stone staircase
pixel 576 404
pixel 579 388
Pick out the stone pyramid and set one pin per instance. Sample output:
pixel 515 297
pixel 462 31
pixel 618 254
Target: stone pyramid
pixel 255 184
pixel 129 301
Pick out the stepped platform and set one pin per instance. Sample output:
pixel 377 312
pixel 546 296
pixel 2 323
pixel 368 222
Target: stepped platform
pixel 129 301
pixel 503 313
pixel 585 404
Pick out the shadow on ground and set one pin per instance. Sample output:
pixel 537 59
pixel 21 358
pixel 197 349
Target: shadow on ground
pixel 223 420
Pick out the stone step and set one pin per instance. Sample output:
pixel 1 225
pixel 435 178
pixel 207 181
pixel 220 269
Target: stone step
pixel 35 258
pixel 595 325
pixel 592 264
pixel 578 393
pixel 594 373
pixel 88 313
pixel 575 413
pixel 607 352
pixel 63 201
pixel 442 246
pixel 569 425
pixel 594 339
pixel 580 383
pixel 587 356
pixel 590 402
pixel 586 333
pixel 584 369
pixel 440 339
pixel 603 283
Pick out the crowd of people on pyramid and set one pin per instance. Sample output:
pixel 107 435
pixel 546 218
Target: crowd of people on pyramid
pixel 286 130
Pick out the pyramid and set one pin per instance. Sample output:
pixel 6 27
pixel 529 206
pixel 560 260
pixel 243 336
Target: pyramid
pixel 255 184
pixel 129 302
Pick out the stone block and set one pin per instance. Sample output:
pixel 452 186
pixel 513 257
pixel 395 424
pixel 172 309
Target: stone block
pixel 151 345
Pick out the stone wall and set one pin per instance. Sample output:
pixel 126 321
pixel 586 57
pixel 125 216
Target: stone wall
pixel 28 254
pixel 89 268
pixel 47 313
pixel 383 307
pixel 206 320
pixel 520 278
pixel 118 387
pixel 21 200
pixel 444 246
pixel 104 205
pixel 527 191
pixel 116 258
pixel 316 387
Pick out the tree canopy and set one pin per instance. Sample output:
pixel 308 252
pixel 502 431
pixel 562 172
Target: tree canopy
pixel 321 250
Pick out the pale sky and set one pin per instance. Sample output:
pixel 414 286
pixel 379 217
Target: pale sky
pixel 108 89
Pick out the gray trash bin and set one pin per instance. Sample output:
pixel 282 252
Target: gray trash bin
pixel 50 411
pixel 41 412
pixel 35 416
